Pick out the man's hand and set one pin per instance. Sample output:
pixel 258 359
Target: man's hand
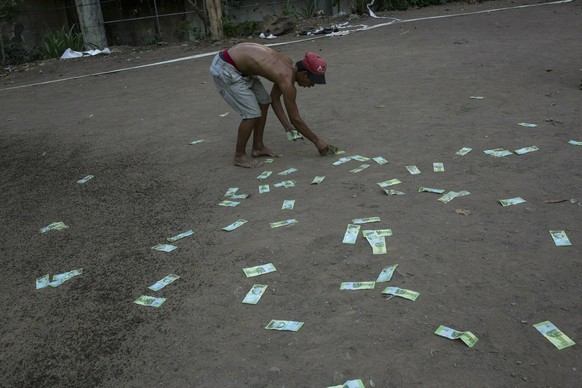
pixel 324 148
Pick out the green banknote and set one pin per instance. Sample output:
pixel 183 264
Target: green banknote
pixel 180 236
pixel 379 232
pixel 512 201
pixel 86 179
pixel 283 223
pixel 235 225
pixel 268 160
pixel 293 135
pixel 429 190
pixel 224 114
pixel 448 197
pixel 43 281
pixel 54 226
pixel 357 285
pixel 288 171
pixel 438 167
pixel 528 125
pixel 228 203
pixel 477 98
pixel 466 336
pixel 393 192
pixel 341 161
pixel 360 168
pixel 413 170
pixel 501 153
pixel 554 335
pixel 350 384
pixel 317 180
pixel 378 243
pixel 196 141
pixel 365 220
pixel 288 204
pixel 63 277
pixel 264 175
pixel 259 270
pixel 526 150
pixel 145 300
pixel 351 234
pixel 391 182
pixel 164 282
pixel 239 196
pixel 401 292
pixel 380 160
pixel 164 247
pixel 276 324
pixel 264 189
pixel 359 158
pixel 574 142
pixel 231 191
pixel 285 184
pixel 463 151
pixel 254 295
pixel 387 273
pixel 560 238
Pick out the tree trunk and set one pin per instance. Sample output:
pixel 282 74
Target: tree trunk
pixel 214 8
pixel 201 15
pixel 91 20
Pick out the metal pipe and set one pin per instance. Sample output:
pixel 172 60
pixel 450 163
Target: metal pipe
pixel 158 29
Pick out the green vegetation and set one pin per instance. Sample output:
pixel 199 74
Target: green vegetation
pixel 54 44
pixel 232 29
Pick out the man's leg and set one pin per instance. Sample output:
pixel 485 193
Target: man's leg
pixel 259 148
pixel 244 132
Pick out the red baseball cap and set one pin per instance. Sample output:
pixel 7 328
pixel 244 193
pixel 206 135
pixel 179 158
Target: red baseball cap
pixel 316 67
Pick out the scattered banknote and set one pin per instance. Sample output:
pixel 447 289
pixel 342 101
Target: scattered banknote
pixel 235 225
pixel 264 189
pixel 351 234
pixel 512 201
pixel 54 226
pixel 401 292
pixel 341 161
pixel 560 238
pixel 164 282
pixel 359 158
pixel 365 220
pixel 145 300
pixel 350 383
pixel 526 150
pixel 476 98
pixel 284 325
pixel 224 114
pixel 574 142
pixel 264 175
pixel 288 171
pixel 466 336
pixel 259 270
pixel 44 281
pixel 197 142
pixel 379 232
pixel 386 274
pixel 283 223
pixel 393 192
pixel 180 236
pixel 438 167
pixel 228 203
pixel 528 125
pixel 498 152
pixel 378 243
pixel 554 335
pixel 254 295
pixel 463 151
pixel 294 135
pixel 448 197
pixel 164 247
pixel 288 204
pixel 380 160
pixel 357 285
pixel 285 184
pixel 429 190
pixel 413 170
pixel 86 179
pixel 391 182
pixel 239 196
pixel 333 150
pixel 317 180
pixel 268 160
pixel 360 168
pixel 231 191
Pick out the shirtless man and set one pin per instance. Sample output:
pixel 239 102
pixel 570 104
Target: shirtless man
pixel 235 72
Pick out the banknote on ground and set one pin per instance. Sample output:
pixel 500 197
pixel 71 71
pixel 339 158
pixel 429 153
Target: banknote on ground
pixel 54 226
pixel 401 292
pixel 317 180
pixel 288 171
pixel 391 182
pixel 357 285
pixel 239 196
pixel 268 160
pixel 294 135
pixel 264 175
pixel 276 324
pixel 574 142
pixel 380 160
pixel 341 161
pixel 235 225
pixel 448 197
pixel 360 168
pixel 231 191
pixel 477 98
pixel 467 337
pixel 377 242
pixel 526 150
pixel 365 220
pixel 86 179
pixel 429 190
pixel 393 192
pixel 145 300
pixel 350 384
pixel 512 201
pixel 285 184
pixel 164 247
pixel 379 232
pixel 224 114
pixel 255 294
pixel 438 167
pixel 560 238
pixel 180 236
pixel 259 270
pixel 554 335
pixel 164 282
pixel 359 158
pixel 228 203
pixel 463 151
pixel 498 152
pixel 288 204
pixel 528 125
pixel 279 224
pixel 351 234
pixel 196 141
pixel 413 170
pixel 264 189
pixel 44 281
pixel 387 273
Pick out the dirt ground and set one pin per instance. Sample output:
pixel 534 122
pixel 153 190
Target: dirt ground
pixel 399 91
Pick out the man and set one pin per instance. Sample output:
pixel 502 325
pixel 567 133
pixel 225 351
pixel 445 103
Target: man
pixel 235 72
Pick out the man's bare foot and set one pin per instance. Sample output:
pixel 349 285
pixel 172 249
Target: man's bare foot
pixel 265 151
pixel 245 161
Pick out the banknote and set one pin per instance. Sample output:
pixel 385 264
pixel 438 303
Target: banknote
pixel 239 196
pixel 259 270
pixel 341 161
pixel 283 223
pixel 294 135
pixel 264 175
pixel 512 201
pixel 477 97
pixel 339 152
pixel 365 220
pixel 391 182
pixel 574 142
pixel 268 160
pixel 264 189
pixel 560 238
pixel 332 150
pixel 317 180
pixel 164 247
pixel 228 203
pixel 351 234
pixel 466 336
pixel 554 335
pixel 285 184
pixel 224 114
pixel 463 151
pixel 378 232
pixel 393 192
pixel 43 281
pixel 357 285
pixel 354 384
pixel 276 324
pixel 288 171
pixel 359 158
pixel 145 300
pixel 438 167
pixel 380 160
pixel 288 204
pixel 401 292
pixel 360 168
pixel 54 226
pixel 86 179
pixel 164 282
pixel 489 152
pixel 528 125
pixel 386 274
pixel 429 190
pixel 235 225
pixel 254 295
pixel 413 170
pixel 448 197
pixel 63 277
pixel 378 243
pixel 180 236
pixel 498 152
pixel 197 141
pixel 231 191
pixel 526 150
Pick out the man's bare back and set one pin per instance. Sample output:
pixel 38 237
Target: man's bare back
pixel 256 59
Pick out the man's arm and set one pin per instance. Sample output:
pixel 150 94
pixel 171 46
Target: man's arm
pixel 278 108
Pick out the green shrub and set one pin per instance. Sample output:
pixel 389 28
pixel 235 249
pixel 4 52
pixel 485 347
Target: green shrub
pixel 54 45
